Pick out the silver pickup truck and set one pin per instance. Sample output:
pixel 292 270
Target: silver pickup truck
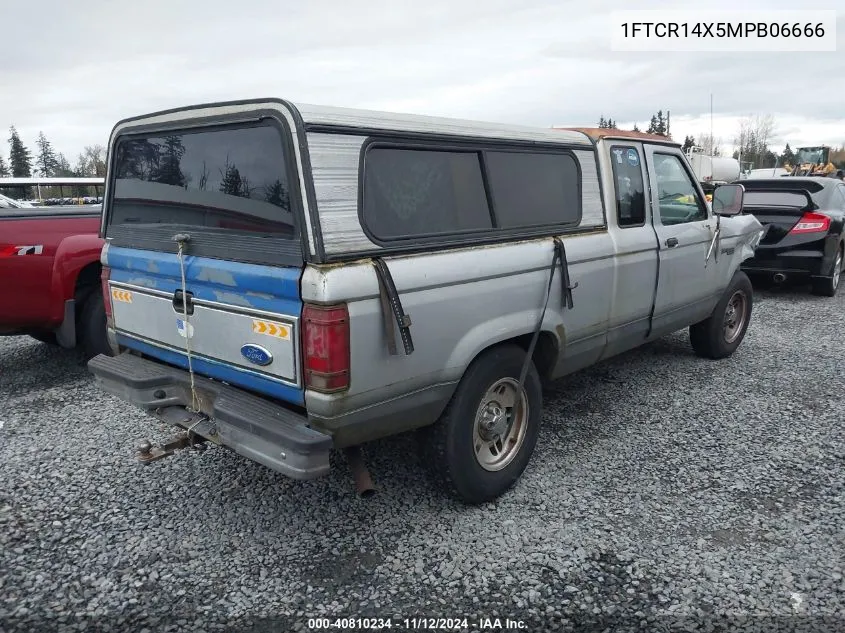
pixel 285 280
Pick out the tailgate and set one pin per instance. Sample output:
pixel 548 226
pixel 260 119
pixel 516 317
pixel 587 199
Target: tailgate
pixel 224 190
pixel 242 325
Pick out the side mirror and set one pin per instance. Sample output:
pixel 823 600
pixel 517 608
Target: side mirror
pixel 727 200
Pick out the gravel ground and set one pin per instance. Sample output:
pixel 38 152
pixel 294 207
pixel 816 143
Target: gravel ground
pixel 665 490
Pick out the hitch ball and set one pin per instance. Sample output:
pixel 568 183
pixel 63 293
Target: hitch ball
pixel 145 447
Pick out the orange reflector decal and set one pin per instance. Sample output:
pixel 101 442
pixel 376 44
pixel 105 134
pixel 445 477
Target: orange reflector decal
pixel 124 296
pixel 271 329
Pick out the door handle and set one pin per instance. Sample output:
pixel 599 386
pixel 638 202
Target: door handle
pixel 672 242
pixel 183 303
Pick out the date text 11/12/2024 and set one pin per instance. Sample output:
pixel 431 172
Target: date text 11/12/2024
pixel 415 624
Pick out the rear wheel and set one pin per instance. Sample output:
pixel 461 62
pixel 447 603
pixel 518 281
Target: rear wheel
pixel 479 449
pixel 827 286
pixel 92 326
pixel 721 333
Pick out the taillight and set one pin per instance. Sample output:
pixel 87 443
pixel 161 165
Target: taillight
pixel 325 340
pixel 104 280
pixel 812 223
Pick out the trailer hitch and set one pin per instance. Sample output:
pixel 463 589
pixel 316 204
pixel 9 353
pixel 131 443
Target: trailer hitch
pixel 147 452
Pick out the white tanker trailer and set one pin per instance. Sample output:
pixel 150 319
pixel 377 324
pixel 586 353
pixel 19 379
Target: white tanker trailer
pixel 713 169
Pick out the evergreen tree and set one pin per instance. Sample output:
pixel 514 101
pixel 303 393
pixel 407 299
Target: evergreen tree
pixel 20 157
pixel 4 169
pixel 168 170
pixel 787 157
pixel 636 128
pixel 608 124
pixel 137 158
pixel 658 124
pixel 689 143
pixel 277 194
pixel 63 167
pixel 46 162
pixel 232 183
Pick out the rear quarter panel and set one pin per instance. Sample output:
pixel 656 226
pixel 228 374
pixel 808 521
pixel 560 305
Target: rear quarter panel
pixel 34 286
pixel 460 303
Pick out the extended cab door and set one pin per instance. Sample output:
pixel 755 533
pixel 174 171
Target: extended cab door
pixel 635 241
pixel 686 286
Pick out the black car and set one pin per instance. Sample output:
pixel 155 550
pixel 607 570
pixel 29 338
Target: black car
pixel 803 222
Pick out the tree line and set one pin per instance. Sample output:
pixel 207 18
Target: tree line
pixel 751 141
pixel 47 162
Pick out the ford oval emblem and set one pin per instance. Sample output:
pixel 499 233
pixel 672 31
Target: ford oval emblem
pixel 256 354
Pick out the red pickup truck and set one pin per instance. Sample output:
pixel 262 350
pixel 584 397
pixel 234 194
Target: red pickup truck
pixel 50 285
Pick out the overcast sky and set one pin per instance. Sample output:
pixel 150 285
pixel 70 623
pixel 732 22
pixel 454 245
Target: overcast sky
pixel 73 69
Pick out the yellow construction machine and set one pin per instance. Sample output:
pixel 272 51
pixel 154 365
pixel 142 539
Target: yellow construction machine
pixel 812 161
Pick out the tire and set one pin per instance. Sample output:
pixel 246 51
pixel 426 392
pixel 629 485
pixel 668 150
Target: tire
pixel 91 327
pixel 450 444
pixel 714 338
pixel 45 336
pixel 828 286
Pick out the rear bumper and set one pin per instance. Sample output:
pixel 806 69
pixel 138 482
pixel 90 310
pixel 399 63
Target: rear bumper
pixel 262 431
pixel 796 262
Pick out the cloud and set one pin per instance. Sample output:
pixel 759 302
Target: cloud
pixel 86 64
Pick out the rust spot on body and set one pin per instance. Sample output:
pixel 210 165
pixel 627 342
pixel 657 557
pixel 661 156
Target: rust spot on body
pixel 561 334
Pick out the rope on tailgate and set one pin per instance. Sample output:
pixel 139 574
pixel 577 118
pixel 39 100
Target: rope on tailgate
pixel 180 239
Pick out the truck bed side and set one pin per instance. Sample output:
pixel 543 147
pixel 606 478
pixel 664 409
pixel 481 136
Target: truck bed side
pixel 42 252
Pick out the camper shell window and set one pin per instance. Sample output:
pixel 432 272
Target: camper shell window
pixel 422 192
pixel 227 178
pixel 410 192
pixel 534 188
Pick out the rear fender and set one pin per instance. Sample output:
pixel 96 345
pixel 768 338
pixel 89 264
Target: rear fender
pixel 72 255
pixel 832 244
pixel 490 332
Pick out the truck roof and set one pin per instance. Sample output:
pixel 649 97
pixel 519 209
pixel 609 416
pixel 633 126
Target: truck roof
pixel 598 133
pixel 329 118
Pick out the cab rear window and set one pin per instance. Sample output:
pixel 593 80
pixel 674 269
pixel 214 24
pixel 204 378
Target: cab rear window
pixel 230 178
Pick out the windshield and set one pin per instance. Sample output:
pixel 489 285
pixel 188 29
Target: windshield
pixel 231 178
pixel 811 155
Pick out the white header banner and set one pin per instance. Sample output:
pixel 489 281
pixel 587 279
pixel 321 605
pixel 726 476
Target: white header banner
pixel 714 31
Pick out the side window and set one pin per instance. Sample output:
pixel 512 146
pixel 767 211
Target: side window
pixel 531 189
pixel 677 197
pixel 630 190
pixel 411 192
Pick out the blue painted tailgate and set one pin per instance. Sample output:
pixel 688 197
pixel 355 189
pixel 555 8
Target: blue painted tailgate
pixel 235 305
